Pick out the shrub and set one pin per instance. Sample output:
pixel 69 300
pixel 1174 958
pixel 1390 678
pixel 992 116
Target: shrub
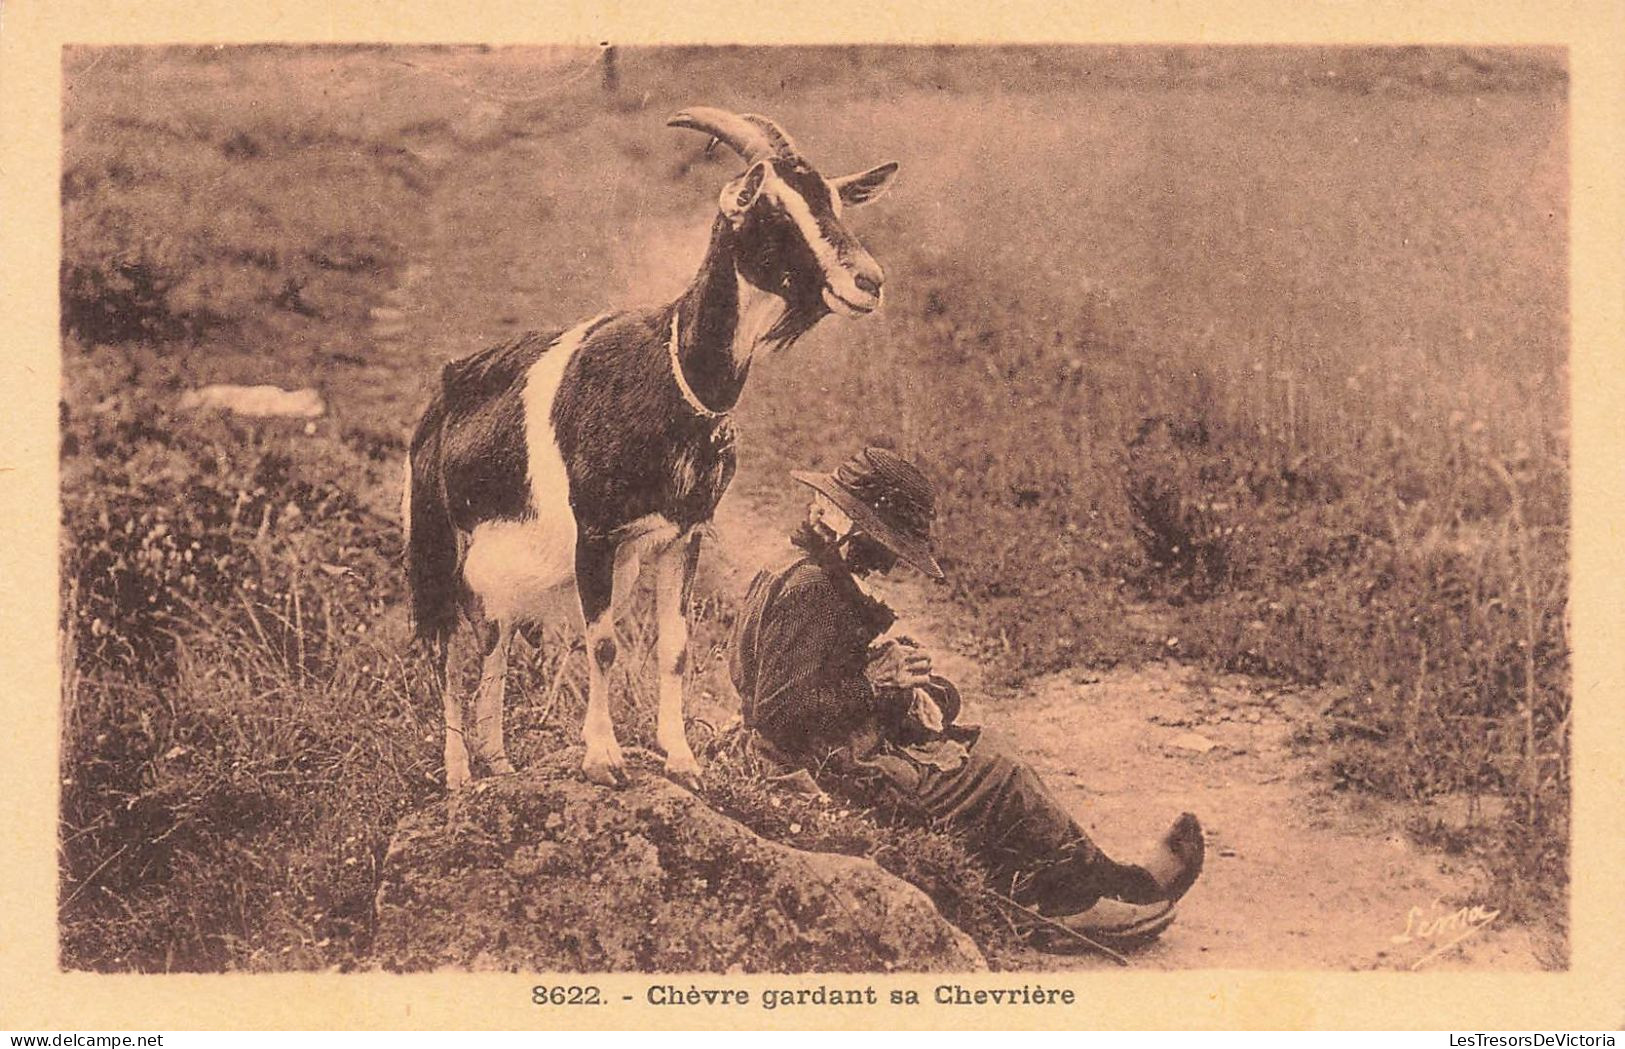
pixel 170 521
pixel 1181 499
pixel 239 727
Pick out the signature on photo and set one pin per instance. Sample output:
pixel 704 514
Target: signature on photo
pixel 1442 929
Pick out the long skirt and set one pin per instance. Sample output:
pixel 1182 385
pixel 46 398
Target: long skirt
pixel 981 789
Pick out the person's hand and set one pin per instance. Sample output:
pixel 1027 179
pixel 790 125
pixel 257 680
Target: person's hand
pixel 924 712
pixel 894 664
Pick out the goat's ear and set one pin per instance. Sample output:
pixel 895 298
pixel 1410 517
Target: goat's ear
pixel 865 186
pixel 741 193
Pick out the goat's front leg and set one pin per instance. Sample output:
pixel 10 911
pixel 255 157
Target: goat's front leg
pixel 595 582
pixel 673 580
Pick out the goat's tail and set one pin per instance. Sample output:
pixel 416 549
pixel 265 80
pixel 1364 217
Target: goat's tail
pixel 432 553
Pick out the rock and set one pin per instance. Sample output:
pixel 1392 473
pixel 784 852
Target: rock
pixel 542 871
pixel 1192 741
pixel 256 400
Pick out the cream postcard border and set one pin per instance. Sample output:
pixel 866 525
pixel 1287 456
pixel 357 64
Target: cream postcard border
pixel 34 994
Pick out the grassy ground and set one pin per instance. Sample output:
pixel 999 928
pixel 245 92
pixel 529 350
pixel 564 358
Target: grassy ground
pixel 1270 344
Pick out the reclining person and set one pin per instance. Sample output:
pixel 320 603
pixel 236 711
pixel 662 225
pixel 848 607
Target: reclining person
pixel 828 687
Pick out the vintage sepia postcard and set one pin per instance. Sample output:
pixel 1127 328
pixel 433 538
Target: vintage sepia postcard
pixel 1075 520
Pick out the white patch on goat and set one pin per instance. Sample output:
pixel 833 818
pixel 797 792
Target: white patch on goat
pixel 795 205
pixel 522 570
pixel 758 311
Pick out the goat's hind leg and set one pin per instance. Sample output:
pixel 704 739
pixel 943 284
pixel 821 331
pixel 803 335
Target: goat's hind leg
pixel 674 578
pixel 456 751
pixel 495 638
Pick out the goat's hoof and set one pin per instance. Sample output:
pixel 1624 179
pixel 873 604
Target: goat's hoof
pixel 689 781
pixel 606 772
pixel 500 766
pixel 684 774
pixel 457 779
pixel 606 776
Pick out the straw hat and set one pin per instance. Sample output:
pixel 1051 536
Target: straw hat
pixel 888 499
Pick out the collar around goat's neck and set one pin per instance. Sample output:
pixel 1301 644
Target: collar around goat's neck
pixel 691 398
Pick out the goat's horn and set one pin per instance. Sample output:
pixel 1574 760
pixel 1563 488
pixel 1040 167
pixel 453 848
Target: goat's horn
pixel 782 145
pixel 752 137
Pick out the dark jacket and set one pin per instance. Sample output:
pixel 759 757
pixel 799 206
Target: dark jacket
pixel 800 645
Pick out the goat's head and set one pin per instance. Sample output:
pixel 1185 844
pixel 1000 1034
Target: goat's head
pixel 791 240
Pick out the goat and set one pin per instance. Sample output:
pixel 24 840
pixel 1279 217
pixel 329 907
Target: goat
pixel 571 458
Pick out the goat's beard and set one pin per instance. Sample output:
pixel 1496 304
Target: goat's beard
pixel 801 313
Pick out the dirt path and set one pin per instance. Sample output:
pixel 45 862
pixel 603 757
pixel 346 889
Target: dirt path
pixel 1296 877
